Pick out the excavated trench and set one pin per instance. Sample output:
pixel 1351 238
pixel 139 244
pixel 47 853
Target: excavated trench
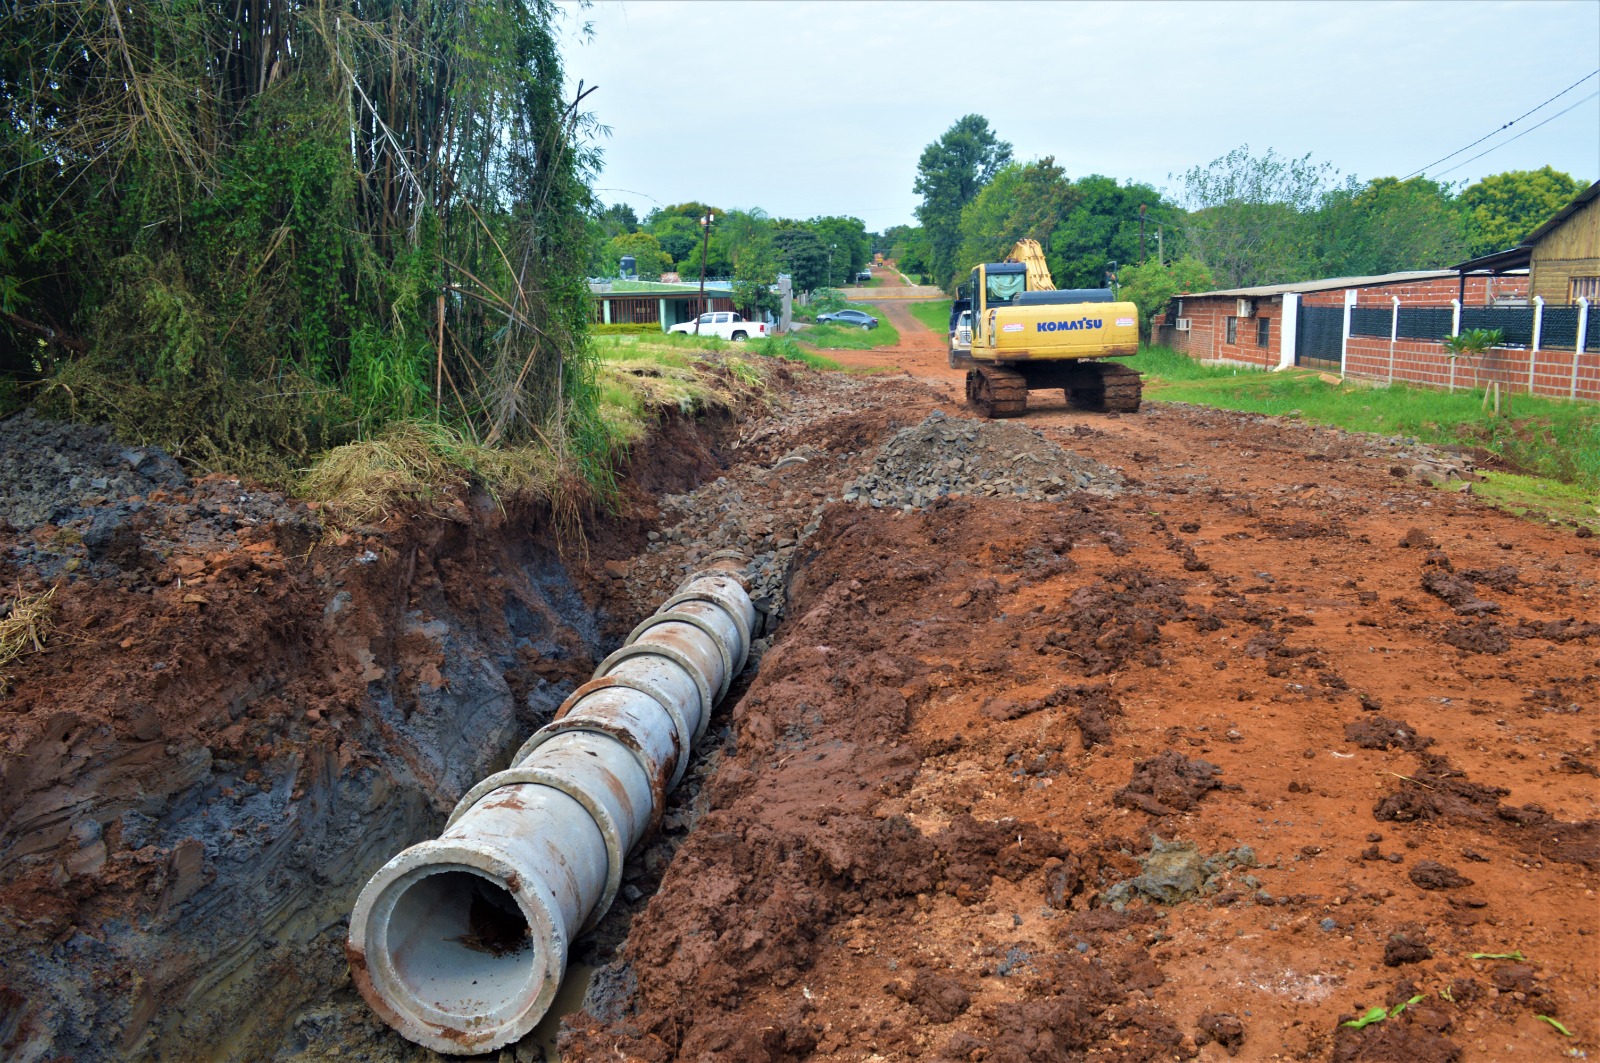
pixel 238 720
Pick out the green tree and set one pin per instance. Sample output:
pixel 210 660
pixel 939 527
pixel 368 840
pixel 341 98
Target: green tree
pixel 1504 208
pixel 1101 226
pixel 847 243
pixel 1388 225
pixel 617 219
pixel 1250 217
pixel 1152 285
pixel 677 235
pixel 1022 201
pixel 649 259
pixel 805 257
pixel 950 173
pixel 754 277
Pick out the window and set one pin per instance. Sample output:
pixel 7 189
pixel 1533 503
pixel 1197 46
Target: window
pixel 1233 330
pixel 1263 331
pixel 1583 288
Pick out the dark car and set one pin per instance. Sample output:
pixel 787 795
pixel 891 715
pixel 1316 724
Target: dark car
pixel 850 317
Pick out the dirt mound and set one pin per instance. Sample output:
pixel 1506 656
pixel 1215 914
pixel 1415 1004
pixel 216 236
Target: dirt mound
pixel 1438 793
pixel 1380 732
pixel 1168 784
pixel 954 456
pixel 54 470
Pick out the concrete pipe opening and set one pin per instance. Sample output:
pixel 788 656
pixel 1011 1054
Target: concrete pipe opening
pixel 453 958
pixel 464 945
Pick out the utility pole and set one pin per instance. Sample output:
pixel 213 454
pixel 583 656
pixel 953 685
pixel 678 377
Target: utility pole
pixel 705 247
pixel 1142 254
pixel 1161 255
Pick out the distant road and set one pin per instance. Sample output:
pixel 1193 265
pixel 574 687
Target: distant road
pixel 893 287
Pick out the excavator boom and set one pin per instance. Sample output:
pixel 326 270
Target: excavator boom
pixel 1031 255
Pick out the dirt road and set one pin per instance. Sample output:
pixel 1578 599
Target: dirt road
pixel 1170 735
pixel 1211 763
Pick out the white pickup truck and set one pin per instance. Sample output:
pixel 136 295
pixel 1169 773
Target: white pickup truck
pixel 725 324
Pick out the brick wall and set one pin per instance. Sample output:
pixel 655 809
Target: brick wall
pixel 1423 362
pixel 1481 291
pixel 1207 337
pixel 1368 357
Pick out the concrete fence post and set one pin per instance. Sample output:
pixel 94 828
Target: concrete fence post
pixel 1577 348
pixel 1394 333
pixel 1287 336
pixel 1455 330
pixel 1538 334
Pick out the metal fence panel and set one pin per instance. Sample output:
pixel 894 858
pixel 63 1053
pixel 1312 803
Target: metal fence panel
pixel 1425 322
pixel 1370 321
pixel 1561 328
pixel 1319 335
pixel 1514 322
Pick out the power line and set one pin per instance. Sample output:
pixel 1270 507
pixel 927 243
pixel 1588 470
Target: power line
pixel 1524 133
pixel 1503 128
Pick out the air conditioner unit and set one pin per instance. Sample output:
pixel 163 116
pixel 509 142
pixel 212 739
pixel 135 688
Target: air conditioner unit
pixel 1246 308
pixel 1183 324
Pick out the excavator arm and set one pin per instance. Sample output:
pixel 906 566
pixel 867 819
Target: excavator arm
pixel 1031 255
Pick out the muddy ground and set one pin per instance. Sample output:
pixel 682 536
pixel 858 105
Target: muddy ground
pixel 1201 755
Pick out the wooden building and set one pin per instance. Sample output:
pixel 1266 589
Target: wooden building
pixel 1564 265
pixel 1562 256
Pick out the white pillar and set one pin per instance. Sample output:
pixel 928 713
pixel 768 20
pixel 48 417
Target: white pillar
pixel 661 314
pixel 1291 327
pixel 1455 330
pixel 605 310
pixel 1394 333
pixel 1344 340
pixel 1538 334
pixel 1577 348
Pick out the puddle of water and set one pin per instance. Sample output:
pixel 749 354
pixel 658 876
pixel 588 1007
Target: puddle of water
pixel 569 998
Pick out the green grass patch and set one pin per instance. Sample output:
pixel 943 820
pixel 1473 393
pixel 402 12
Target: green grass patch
pixel 831 337
pixel 936 315
pixel 1545 438
pixel 1539 497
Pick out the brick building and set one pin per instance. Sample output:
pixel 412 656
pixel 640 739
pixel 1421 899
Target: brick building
pixel 1247 325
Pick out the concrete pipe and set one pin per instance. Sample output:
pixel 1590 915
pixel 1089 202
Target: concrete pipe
pixel 460 942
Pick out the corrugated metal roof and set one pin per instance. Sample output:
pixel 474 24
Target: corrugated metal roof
pixel 622 287
pixel 1327 284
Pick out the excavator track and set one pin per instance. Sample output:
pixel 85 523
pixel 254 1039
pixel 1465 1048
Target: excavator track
pixel 998 392
pixel 1116 389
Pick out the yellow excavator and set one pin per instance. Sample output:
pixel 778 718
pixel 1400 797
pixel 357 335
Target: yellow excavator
pixel 1028 335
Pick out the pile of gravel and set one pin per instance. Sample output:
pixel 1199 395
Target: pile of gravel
pixel 53 470
pixel 955 456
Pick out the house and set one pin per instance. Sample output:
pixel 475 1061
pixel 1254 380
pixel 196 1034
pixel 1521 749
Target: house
pixel 1392 328
pixel 1562 256
pixel 655 302
pixel 1275 326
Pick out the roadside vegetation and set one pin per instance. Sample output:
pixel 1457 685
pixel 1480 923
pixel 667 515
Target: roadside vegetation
pixel 1554 445
pixel 829 336
pixel 936 315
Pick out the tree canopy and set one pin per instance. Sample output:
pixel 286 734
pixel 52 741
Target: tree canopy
pixel 1504 208
pixel 950 174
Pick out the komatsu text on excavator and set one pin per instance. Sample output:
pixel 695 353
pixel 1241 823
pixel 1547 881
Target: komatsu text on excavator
pixel 1029 336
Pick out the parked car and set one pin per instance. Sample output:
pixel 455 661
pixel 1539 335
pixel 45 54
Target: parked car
pixel 864 276
pixel 725 324
pixel 858 318
pixel 961 342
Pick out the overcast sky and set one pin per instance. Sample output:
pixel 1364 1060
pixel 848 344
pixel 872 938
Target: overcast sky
pixel 805 109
